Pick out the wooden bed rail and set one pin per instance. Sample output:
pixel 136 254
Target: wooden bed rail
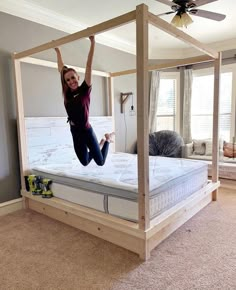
pixel 102 27
pixel 46 63
pixel 177 33
pixel 168 65
pixel 121 232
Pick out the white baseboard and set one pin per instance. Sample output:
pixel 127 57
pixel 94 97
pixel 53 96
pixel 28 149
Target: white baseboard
pixel 11 206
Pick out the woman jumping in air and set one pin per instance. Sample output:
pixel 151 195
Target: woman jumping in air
pixel 77 102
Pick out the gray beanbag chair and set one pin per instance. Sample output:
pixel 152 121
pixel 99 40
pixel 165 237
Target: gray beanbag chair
pixel 165 143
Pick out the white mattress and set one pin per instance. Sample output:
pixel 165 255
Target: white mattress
pixel 113 188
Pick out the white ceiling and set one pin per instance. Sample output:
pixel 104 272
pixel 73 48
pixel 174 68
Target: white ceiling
pixel 74 15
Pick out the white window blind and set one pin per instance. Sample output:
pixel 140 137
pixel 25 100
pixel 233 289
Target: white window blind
pixel 166 105
pixel 202 106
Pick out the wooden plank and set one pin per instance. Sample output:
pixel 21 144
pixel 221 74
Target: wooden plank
pixel 93 30
pixel 105 232
pixel 172 219
pixel 142 115
pixel 25 202
pixel 118 231
pixel 215 134
pixel 111 108
pixel 170 29
pixel 123 72
pixel 88 213
pixel 178 211
pixel 145 251
pixel 168 65
pixel 182 62
pixel 36 61
pixel 110 96
pixel 22 144
pixel 177 219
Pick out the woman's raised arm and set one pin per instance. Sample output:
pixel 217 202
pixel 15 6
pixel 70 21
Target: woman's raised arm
pixel 60 62
pixel 88 71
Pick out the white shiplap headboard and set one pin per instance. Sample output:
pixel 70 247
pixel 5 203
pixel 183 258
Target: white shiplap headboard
pixel 49 140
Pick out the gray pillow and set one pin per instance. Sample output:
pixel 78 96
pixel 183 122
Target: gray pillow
pixel 199 147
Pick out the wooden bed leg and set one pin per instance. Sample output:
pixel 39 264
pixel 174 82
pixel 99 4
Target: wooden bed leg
pixel 214 195
pixel 25 202
pixel 145 254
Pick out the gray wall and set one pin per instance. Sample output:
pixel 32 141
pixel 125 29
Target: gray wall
pixel 43 97
pixel 9 165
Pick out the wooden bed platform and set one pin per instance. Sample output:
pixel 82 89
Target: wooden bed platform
pixel 145 235
pixel 121 232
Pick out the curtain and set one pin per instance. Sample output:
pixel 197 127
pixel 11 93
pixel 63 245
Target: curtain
pixel 154 93
pixel 188 79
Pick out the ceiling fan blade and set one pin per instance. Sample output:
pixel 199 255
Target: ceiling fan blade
pixel 166 13
pixel 167 2
pixel 198 3
pixel 207 14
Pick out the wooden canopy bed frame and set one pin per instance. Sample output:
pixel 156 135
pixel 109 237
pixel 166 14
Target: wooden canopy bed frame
pixel 145 235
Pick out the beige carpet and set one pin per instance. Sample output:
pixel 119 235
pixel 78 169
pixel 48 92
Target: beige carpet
pixel 39 253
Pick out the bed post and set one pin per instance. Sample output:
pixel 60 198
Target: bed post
pixel 111 111
pixel 21 127
pixel 142 121
pixel 215 141
pixel 110 95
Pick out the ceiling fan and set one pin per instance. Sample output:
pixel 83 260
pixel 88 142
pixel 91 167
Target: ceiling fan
pixel 183 8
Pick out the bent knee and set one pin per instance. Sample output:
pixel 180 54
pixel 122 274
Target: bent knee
pixel 84 162
pixel 100 162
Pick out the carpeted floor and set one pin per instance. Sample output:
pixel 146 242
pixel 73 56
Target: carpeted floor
pixel 39 253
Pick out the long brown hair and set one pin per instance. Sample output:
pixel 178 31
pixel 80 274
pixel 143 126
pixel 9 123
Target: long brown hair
pixel 64 85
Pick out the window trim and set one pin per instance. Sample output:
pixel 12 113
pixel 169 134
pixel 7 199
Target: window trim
pixel 176 76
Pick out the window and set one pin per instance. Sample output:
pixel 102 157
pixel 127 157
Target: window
pixel 202 105
pixel 167 105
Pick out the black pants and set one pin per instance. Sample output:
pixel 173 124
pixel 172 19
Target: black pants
pixel 87 147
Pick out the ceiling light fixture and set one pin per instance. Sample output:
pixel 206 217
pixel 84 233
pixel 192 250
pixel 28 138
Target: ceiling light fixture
pixel 181 20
